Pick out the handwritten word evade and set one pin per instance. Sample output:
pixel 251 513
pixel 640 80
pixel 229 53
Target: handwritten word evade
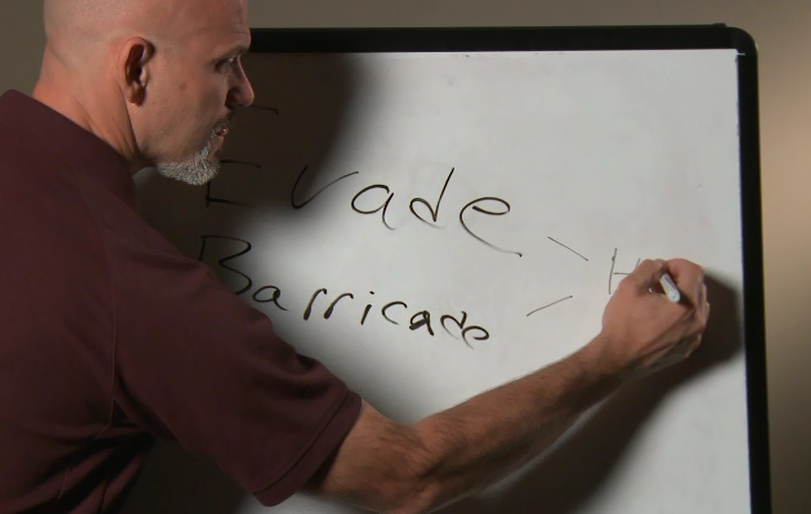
pixel 376 199
pixel 345 304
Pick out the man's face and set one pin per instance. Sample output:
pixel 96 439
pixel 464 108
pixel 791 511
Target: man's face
pixel 194 87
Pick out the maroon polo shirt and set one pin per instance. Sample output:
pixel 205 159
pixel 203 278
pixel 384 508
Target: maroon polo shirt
pixel 109 338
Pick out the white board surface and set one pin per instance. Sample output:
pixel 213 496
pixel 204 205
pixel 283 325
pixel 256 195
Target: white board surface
pixel 536 180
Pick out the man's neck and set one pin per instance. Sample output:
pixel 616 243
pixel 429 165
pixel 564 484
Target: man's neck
pixel 98 113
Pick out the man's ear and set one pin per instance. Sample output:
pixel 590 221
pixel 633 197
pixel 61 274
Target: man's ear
pixel 133 70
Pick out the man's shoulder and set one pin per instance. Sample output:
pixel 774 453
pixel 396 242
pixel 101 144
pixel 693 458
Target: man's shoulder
pixel 25 161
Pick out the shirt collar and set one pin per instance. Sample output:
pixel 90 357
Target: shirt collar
pixel 82 150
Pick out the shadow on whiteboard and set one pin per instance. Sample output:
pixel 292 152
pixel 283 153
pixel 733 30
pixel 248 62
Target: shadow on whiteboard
pixel 562 483
pixel 283 132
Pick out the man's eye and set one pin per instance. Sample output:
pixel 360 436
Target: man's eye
pixel 228 62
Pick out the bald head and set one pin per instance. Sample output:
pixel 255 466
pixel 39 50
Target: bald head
pixel 157 79
pixel 78 32
pixel 65 16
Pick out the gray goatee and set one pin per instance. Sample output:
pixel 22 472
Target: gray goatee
pixel 200 167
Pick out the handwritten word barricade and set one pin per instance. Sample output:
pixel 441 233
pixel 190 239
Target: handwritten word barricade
pixel 323 303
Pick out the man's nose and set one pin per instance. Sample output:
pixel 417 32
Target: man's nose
pixel 245 92
pixel 242 93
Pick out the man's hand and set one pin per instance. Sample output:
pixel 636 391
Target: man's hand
pixel 643 331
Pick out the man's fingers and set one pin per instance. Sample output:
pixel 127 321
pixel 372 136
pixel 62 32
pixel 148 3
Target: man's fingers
pixel 703 306
pixel 645 276
pixel 702 298
pixel 689 277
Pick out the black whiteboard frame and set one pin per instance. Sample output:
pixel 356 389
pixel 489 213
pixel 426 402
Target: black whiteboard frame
pixel 718 36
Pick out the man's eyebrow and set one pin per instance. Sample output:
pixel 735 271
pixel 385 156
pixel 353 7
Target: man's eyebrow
pixel 237 50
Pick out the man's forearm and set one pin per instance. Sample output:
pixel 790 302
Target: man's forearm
pixel 479 441
pixel 390 467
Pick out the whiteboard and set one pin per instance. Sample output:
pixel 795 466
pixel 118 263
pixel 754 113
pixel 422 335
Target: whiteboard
pixel 433 223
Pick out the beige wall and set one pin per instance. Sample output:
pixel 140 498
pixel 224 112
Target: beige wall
pixel 782 29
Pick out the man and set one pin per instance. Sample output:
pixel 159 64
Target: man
pixel 110 338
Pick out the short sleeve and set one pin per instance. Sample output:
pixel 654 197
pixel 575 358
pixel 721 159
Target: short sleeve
pixel 197 364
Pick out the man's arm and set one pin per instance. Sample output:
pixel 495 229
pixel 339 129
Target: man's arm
pixel 390 467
